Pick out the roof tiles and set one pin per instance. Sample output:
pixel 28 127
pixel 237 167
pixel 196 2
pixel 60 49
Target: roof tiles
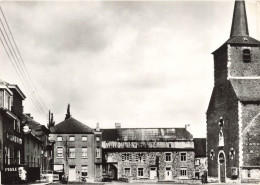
pixel 70 126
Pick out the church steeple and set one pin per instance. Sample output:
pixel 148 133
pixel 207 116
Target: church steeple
pixel 239 23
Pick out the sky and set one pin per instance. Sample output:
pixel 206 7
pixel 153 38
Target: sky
pixel 144 64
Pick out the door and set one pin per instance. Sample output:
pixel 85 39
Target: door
pixel 222 167
pixel 72 173
pixel 153 173
pixel 222 172
pixel 168 173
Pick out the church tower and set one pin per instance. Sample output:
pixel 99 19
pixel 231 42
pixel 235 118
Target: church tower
pixel 233 115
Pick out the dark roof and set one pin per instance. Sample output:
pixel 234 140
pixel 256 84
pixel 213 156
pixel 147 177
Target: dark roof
pixel 246 89
pixel 145 134
pixel 31 122
pixel 71 125
pixel 253 127
pixel 37 130
pixel 200 147
pixel 240 41
pixel 239 22
pixel 239 34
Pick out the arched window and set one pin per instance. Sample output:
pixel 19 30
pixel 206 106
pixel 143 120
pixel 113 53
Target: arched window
pixel 246 55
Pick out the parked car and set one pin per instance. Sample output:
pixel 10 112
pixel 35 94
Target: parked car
pixel 106 178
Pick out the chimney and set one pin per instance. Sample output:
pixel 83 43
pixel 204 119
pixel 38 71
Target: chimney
pixel 187 127
pixel 118 125
pixel 97 127
pixel 29 115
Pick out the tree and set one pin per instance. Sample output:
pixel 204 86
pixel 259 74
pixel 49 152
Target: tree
pixel 51 121
pixel 68 115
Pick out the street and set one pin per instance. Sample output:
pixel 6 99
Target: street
pixel 160 183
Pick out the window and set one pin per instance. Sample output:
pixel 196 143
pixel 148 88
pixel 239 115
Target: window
pixel 183 172
pixel 234 171
pixel 59 152
pixel 168 156
pixel 84 170
pixel 125 157
pixel 127 172
pixel 84 152
pixel 19 156
pixel 246 55
pixel 18 126
pixel 84 138
pixel 97 138
pixel 7 104
pixel 28 159
pixel 197 162
pixel 14 124
pixel 72 153
pixel 97 152
pixel 7 155
pixel 183 157
pixel 140 157
pixel 59 138
pixel 72 138
pixel 140 172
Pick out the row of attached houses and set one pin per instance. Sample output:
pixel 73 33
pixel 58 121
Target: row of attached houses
pixel 28 149
pixel 24 150
pixel 132 154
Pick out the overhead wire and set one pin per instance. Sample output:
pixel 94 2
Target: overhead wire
pixel 30 79
pixel 13 54
pixel 15 67
pixel 21 70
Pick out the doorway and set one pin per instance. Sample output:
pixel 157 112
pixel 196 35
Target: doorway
pixel 222 167
pixel 153 173
pixel 72 173
pixel 168 173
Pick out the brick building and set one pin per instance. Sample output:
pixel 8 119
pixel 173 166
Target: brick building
pixel 11 145
pixel 233 115
pixel 148 154
pixel 77 150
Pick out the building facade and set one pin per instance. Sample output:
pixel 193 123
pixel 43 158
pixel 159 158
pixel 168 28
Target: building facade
pixel 148 154
pixel 233 115
pixel 201 161
pixel 11 144
pixel 37 147
pixel 77 150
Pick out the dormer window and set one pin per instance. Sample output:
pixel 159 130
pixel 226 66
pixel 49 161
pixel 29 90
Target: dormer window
pixel 246 55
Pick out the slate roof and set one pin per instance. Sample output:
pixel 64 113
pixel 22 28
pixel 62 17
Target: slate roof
pixel 145 134
pixel 239 22
pixel 253 127
pixel 246 89
pixel 36 128
pixel 240 40
pixel 239 34
pixel 200 147
pixel 71 126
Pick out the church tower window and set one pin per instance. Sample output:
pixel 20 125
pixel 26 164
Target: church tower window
pixel 246 55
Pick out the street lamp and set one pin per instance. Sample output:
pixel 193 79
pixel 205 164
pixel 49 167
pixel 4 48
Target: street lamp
pixel 232 153
pixel 212 154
